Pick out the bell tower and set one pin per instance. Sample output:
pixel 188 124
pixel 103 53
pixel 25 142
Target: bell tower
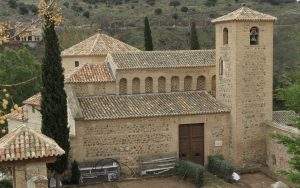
pixel 244 69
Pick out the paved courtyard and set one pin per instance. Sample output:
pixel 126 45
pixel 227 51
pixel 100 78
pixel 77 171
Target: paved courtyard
pixel 255 180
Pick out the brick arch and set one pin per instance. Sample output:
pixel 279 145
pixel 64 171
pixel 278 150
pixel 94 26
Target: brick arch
pixel 161 84
pixel 123 86
pixel 188 80
pixel 136 85
pixel 175 83
pixel 201 83
pixel 149 85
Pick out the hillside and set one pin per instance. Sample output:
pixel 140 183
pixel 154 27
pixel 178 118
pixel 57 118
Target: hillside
pixel 123 19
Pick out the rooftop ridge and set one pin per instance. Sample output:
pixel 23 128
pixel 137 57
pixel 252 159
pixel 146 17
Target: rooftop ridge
pixel 245 14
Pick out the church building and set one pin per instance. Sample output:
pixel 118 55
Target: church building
pixel 128 104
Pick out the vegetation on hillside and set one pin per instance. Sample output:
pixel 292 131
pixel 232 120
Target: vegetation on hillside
pixel 291 97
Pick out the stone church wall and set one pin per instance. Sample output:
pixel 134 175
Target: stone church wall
pixel 129 139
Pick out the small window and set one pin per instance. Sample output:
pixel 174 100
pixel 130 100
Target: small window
pixel 76 63
pixel 136 86
pixel 161 84
pixel 225 36
pixel 254 36
pixel 221 67
pixel 123 86
pixel 201 83
pixel 188 83
pixel 175 83
pixel 213 85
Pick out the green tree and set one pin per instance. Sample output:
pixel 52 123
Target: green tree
pixel 211 3
pixel 148 36
pixel 20 74
pixel 291 97
pixel 194 37
pixel 54 103
pixel 75 177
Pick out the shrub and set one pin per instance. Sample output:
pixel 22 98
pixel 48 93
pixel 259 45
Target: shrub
pixel 220 167
pixel 6 184
pixel 75 177
pixel 211 3
pixel 86 14
pixel 174 3
pixel 12 3
pixel 188 169
pixel 34 9
pixel 150 2
pixel 184 9
pixel 66 4
pixel 23 9
pixel 158 11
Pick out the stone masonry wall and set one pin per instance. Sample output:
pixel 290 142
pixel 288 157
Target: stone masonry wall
pixel 129 139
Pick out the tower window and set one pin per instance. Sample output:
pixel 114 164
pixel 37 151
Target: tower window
pixel 225 36
pixel 254 34
pixel 76 63
pixel 221 67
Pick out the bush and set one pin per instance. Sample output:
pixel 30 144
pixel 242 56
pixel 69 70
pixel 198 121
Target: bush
pixel 184 9
pixel 86 14
pixel 66 4
pixel 12 4
pixel 220 167
pixel 150 2
pixel 6 184
pixel 75 177
pixel 23 9
pixel 174 3
pixel 34 9
pixel 158 11
pixel 188 169
pixel 211 3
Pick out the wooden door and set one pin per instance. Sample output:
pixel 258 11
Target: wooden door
pixel 191 142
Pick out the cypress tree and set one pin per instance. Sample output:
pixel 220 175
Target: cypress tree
pixel 194 38
pixel 148 36
pixel 54 103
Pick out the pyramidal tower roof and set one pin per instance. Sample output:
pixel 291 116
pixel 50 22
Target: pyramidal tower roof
pixel 24 143
pixel 245 14
pixel 98 44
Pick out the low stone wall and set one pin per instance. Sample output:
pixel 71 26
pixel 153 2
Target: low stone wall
pixel 277 156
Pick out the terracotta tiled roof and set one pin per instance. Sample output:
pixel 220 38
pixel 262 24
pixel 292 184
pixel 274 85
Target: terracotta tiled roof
pixel 91 73
pixel 98 44
pixel 245 14
pixel 284 117
pixel 163 59
pixel 25 143
pixel 19 115
pixel 35 100
pixel 149 105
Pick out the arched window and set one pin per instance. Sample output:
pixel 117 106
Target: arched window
pixel 188 83
pixel 201 83
pixel 136 86
pixel 76 63
pixel 213 85
pixel 175 83
pixel 29 38
pixel 221 67
pixel 148 85
pixel 225 36
pixel 161 84
pixel 254 36
pixel 123 86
